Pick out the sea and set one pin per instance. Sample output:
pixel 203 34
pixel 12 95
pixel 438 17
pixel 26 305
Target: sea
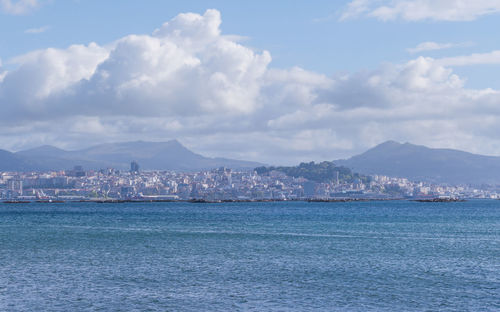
pixel 274 256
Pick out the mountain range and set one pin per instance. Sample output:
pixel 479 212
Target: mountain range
pixel 415 162
pixel 171 155
pixel 420 163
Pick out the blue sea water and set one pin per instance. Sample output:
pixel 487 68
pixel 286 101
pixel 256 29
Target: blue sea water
pixel 293 256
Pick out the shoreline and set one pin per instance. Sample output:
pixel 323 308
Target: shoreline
pixel 203 201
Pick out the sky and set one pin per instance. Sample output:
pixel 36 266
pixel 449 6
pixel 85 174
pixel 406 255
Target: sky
pixel 273 81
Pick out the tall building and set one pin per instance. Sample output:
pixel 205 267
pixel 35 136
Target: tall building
pixel 134 167
pixel 15 186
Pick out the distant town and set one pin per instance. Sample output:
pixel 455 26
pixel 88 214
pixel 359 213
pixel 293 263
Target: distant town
pixel 220 184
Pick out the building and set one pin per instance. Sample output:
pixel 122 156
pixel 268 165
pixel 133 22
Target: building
pixel 134 167
pixel 15 186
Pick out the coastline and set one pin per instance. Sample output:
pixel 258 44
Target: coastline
pixel 204 201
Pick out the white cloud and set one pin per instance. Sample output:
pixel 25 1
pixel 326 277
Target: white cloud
pixel 492 57
pixel 417 10
pixel 356 8
pixel 43 73
pixel 17 7
pixel 221 98
pixel 432 46
pixel 38 30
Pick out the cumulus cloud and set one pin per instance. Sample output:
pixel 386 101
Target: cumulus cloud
pixel 189 81
pixel 17 7
pixel 416 10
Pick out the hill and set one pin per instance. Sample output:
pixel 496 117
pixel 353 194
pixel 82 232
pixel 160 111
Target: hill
pixel 325 171
pixel 12 162
pixel 170 155
pixel 421 163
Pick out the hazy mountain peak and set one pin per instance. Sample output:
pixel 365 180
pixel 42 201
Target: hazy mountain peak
pixel 418 162
pixel 389 143
pixel 44 150
pixel 167 155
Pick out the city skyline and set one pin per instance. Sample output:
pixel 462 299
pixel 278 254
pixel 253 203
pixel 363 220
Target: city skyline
pixel 297 84
pixel 222 184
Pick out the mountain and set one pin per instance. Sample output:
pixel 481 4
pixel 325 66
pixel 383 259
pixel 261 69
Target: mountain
pixel 43 151
pixel 170 155
pixel 421 163
pixel 48 157
pixel 12 162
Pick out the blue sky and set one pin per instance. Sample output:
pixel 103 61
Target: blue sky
pixel 297 33
pixel 341 47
